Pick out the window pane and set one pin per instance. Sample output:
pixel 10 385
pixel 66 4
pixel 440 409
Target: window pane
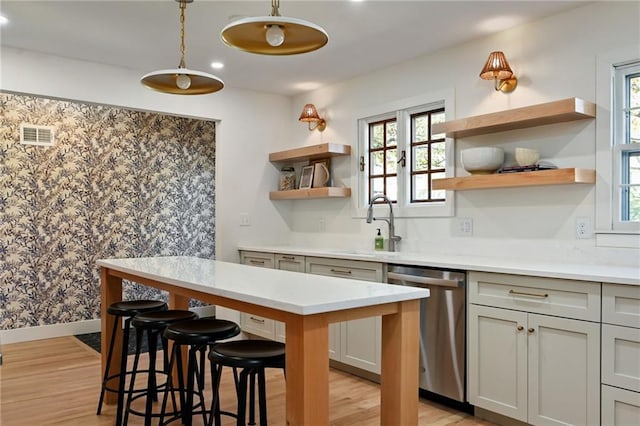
pixel 634 203
pixel 419 124
pixel 377 187
pixel 392 161
pixel 634 168
pixel 377 162
pixel 634 127
pixel 634 91
pixel 420 187
pixel 392 133
pixel 440 193
pixel 420 158
pixel 392 188
pixel 438 158
pixel 437 117
pixel 377 136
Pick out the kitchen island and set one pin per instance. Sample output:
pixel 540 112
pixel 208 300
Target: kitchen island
pixel 307 304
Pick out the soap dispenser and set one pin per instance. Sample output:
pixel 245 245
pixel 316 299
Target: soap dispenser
pixel 379 241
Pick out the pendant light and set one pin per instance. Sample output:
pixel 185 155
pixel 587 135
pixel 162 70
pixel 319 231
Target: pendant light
pixel 274 34
pixel 181 80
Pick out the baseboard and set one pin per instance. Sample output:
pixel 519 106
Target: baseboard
pixel 39 332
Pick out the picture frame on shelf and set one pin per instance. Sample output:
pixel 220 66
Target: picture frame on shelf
pixel 306 177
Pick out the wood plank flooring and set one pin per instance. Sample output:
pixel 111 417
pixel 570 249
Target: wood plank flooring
pixel 57 382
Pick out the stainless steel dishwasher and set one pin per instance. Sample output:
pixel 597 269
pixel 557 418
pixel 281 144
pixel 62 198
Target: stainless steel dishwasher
pixel 442 327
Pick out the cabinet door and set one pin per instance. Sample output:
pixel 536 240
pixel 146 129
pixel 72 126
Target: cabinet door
pixel 620 407
pixel 621 357
pixel 564 363
pixel 286 262
pixel 497 360
pixel 255 324
pixel 358 342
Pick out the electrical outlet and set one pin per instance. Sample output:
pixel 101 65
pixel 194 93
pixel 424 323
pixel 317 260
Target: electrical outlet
pixel 584 228
pixel 462 227
pixel 244 219
pixel 322 225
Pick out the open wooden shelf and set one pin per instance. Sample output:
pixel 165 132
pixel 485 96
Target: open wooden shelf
pixel 299 194
pixel 519 118
pixel 507 180
pixel 313 152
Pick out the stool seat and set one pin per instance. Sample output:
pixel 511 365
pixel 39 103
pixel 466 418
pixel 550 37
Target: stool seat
pixel 249 353
pixel 161 319
pixel 130 308
pixel 201 331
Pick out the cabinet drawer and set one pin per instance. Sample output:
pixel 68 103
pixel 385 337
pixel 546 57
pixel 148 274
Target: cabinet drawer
pixel 620 407
pixel 621 305
pixel 357 270
pixel 621 357
pixel 260 326
pixel 255 258
pixel 289 262
pixel 563 298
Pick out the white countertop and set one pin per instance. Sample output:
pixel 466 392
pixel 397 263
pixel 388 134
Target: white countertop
pixel 294 292
pixel 574 271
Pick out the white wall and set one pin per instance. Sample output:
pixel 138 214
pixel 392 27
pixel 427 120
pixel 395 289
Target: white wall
pixel 554 58
pixel 243 174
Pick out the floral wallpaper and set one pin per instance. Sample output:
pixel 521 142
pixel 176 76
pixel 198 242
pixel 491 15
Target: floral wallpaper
pixel 117 183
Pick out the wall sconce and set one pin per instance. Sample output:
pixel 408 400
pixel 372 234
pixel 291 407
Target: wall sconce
pixel 310 115
pixel 497 69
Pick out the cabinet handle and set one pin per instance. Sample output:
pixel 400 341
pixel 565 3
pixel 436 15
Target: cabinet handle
pixel 288 257
pixel 531 330
pixel 340 272
pixel 259 320
pixel 256 262
pixel 522 293
pixel 520 328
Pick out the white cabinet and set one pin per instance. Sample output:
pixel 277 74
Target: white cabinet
pixel 525 363
pixel 356 343
pixel 255 324
pixel 287 262
pixel 620 355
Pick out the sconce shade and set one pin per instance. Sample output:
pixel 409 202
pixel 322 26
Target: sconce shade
pixel 310 115
pixel 496 67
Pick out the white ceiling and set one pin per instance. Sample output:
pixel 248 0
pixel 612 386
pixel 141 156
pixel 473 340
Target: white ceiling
pixel 363 35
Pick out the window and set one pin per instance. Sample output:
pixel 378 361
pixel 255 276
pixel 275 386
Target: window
pixel 400 157
pixel 626 146
pixel 618 148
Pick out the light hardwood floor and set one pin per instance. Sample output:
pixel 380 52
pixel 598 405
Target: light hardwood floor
pixel 57 382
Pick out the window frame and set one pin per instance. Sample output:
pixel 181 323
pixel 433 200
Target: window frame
pixel 402 110
pixel 610 231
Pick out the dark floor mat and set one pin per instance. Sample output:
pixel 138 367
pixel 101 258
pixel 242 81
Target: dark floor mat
pixel 93 340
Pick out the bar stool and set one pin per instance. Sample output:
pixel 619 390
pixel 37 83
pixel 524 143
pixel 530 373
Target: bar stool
pixel 253 356
pixel 126 310
pixel 154 324
pixel 197 335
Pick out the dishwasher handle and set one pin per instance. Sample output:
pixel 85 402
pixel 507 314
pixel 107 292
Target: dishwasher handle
pixel 418 281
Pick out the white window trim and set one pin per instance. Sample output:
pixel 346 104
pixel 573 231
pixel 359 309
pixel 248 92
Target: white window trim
pixel 359 205
pixel 606 236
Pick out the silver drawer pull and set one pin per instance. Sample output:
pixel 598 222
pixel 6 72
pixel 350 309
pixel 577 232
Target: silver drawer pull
pixel 522 293
pixel 260 320
pixel 340 272
pixel 256 262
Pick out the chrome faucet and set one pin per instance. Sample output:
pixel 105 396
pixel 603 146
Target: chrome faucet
pixel 393 238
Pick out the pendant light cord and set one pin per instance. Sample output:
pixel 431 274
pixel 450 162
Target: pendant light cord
pixel 183 6
pixel 275 5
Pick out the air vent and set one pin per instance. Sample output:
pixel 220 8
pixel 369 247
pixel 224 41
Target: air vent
pixel 31 134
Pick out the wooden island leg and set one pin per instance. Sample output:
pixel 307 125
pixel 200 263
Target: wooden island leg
pixel 400 352
pixel 307 366
pixel 110 292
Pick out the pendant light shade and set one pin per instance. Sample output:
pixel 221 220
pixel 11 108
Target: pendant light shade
pixel 274 34
pixel 181 80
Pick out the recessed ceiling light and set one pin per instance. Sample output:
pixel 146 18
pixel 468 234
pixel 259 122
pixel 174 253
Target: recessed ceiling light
pixel 217 65
pixel 3 20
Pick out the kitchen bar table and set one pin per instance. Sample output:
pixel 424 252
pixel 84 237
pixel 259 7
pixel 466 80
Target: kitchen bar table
pixel 307 304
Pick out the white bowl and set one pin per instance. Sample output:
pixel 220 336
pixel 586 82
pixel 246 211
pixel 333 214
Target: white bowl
pixel 482 160
pixel 526 156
